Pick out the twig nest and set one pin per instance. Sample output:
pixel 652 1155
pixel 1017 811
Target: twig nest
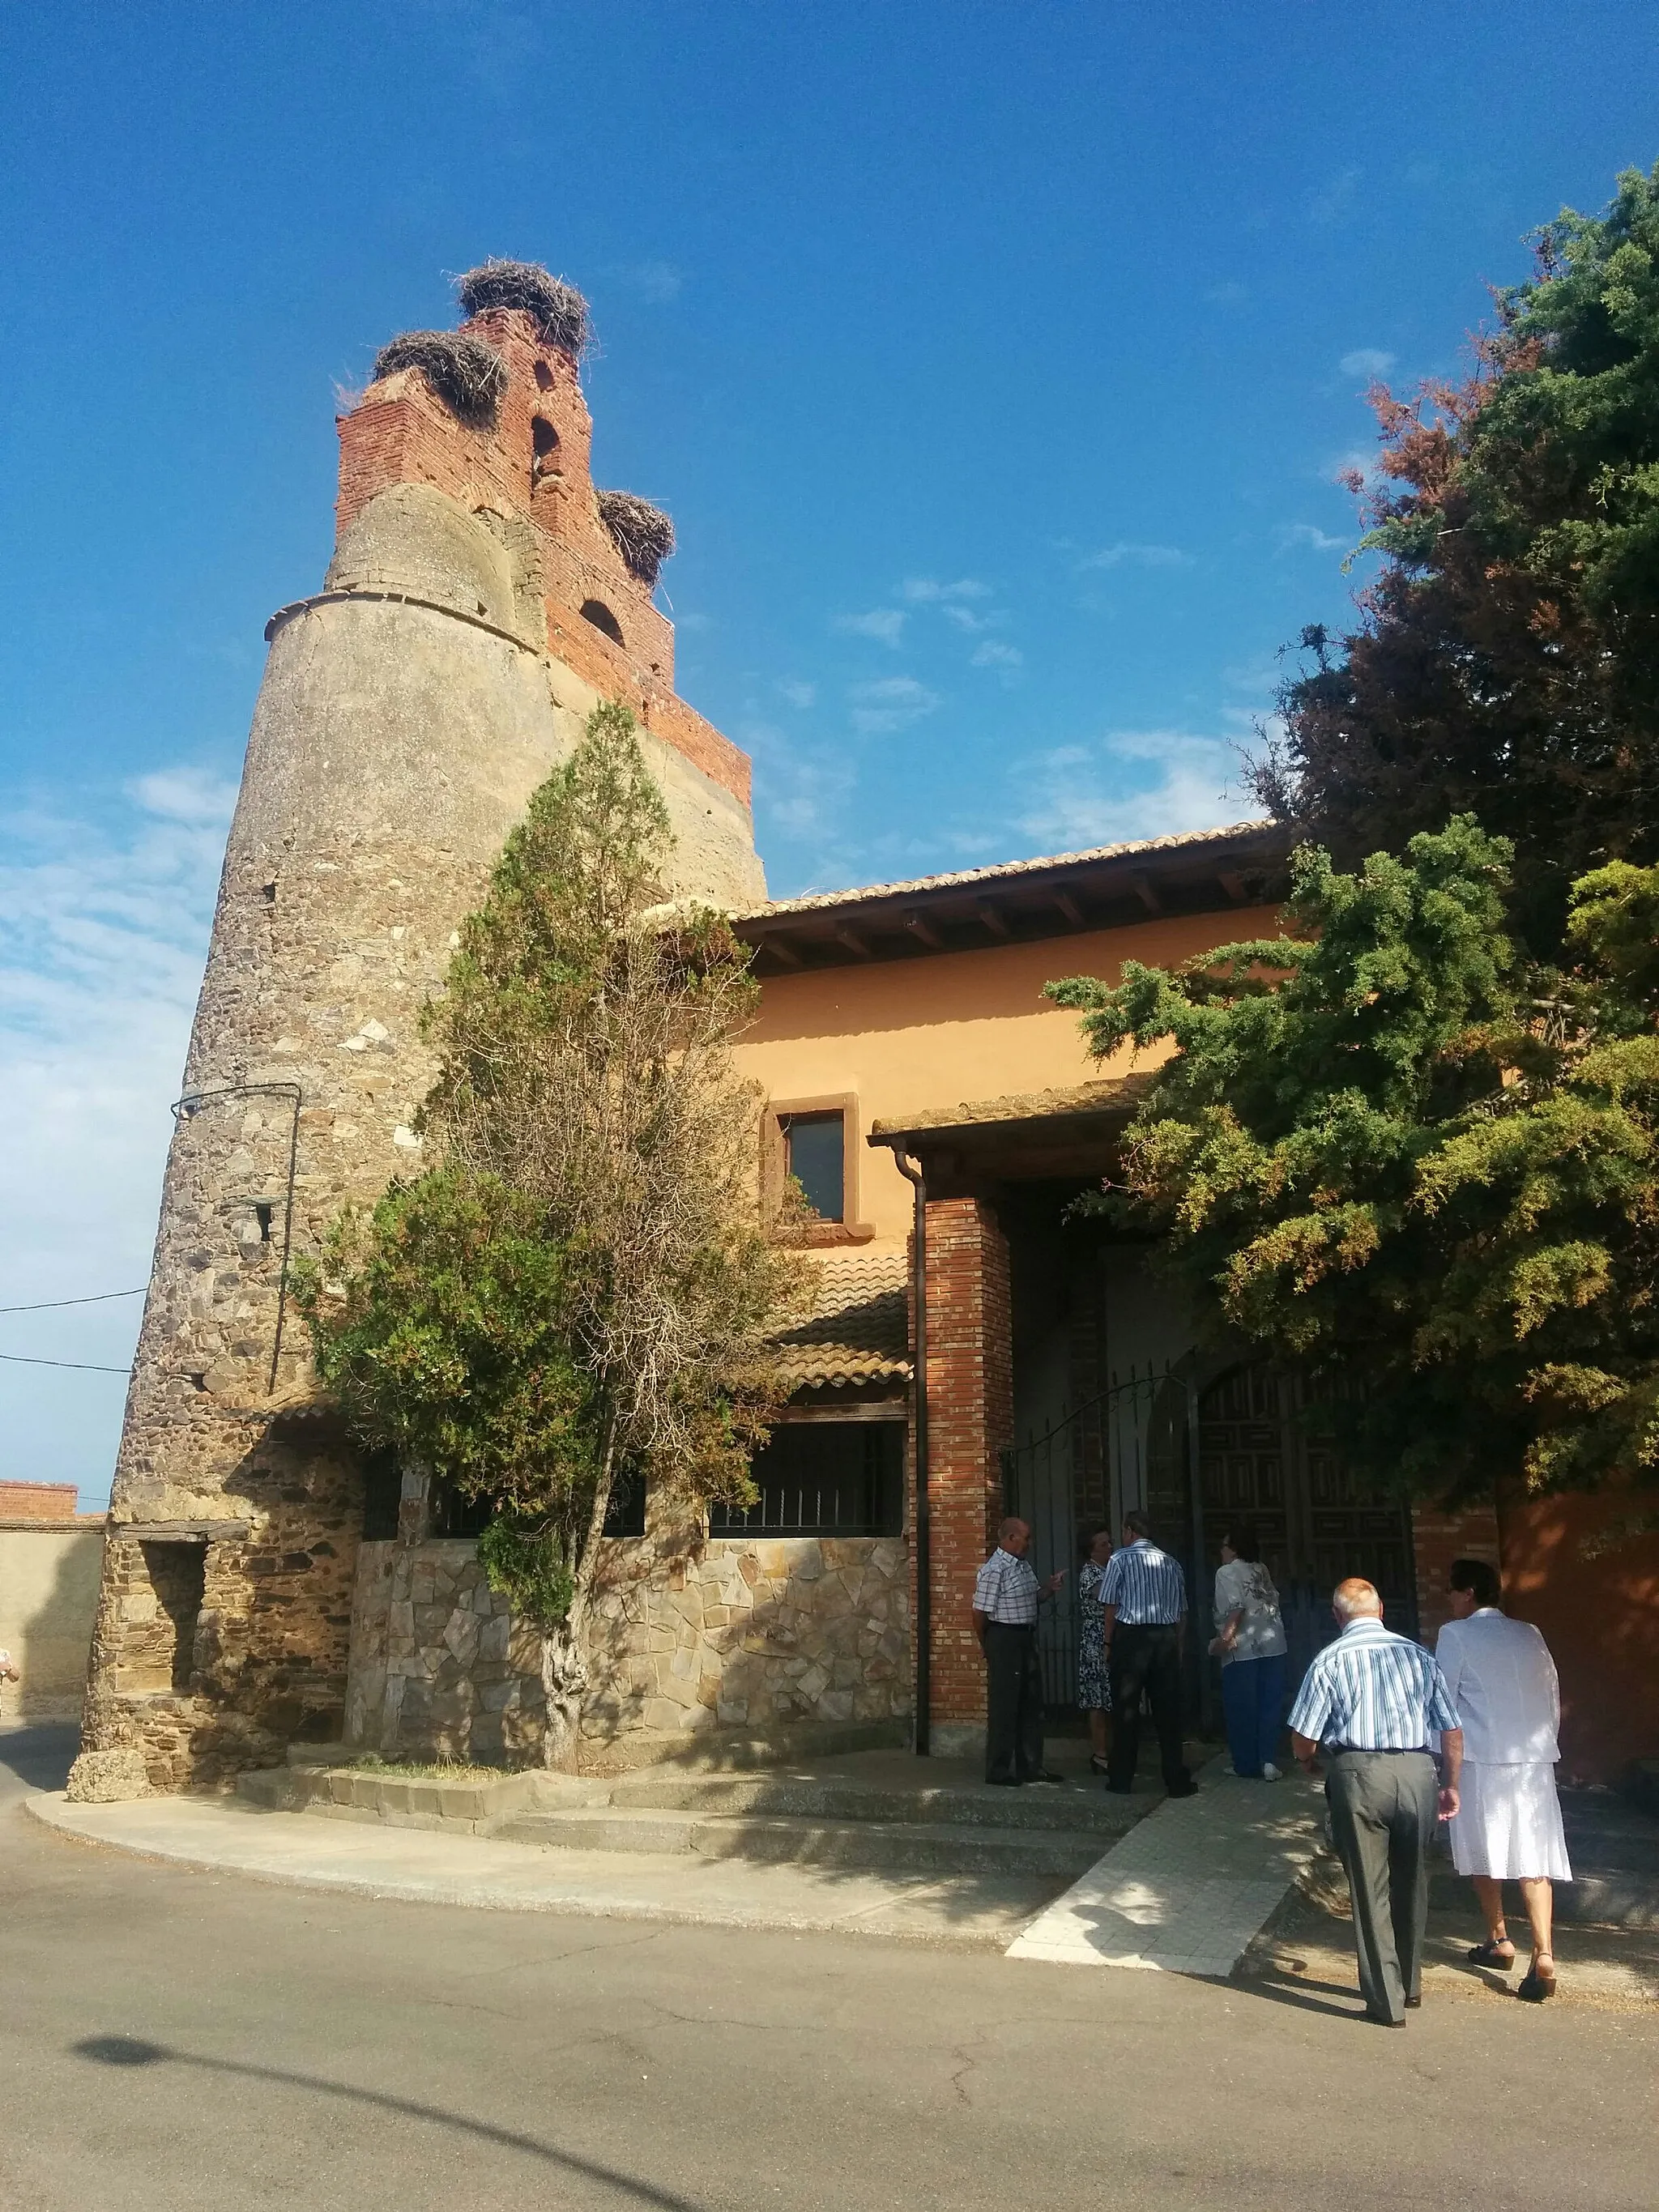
pixel 557 309
pixel 641 533
pixel 467 375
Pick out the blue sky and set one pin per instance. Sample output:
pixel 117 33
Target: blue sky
pixel 995 360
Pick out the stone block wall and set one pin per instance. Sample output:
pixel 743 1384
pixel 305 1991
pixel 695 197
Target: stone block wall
pixel 749 1636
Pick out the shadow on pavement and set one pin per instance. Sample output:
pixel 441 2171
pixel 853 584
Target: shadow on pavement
pixel 40 1757
pixel 1297 1992
pixel 132 2050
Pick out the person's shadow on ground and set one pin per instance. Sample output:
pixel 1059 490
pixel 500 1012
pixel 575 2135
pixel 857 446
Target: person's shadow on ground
pixel 37 1756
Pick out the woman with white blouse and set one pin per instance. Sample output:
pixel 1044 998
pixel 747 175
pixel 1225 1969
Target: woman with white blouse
pixel 1507 1828
pixel 1249 1642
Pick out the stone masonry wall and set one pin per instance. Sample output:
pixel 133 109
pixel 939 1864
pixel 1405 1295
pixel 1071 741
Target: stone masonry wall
pixel 748 1636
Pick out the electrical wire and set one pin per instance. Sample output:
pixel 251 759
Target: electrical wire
pixel 81 1366
pixel 99 1298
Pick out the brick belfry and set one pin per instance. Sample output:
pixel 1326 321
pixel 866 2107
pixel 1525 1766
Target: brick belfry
pixel 477 607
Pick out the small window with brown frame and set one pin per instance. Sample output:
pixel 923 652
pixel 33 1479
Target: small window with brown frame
pixel 813 1142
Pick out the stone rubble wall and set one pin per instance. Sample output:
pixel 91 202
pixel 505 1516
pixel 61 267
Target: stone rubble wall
pixel 748 1635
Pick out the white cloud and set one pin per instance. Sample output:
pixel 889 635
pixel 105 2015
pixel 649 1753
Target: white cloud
pixel 1305 533
pixel 191 795
pixel 656 282
pixel 995 654
pixel 797 693
pixel 1334 201
pixel 1366 361
pixel 965 618
pixel 1132 784
pixel 885 624
pixel 930 589
pixel 1127 554
pixel 892 703
pixel 102 935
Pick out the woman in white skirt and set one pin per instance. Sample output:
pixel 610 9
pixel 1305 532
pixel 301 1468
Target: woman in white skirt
pixel 1508 1828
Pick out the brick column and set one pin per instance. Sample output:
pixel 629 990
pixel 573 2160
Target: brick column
pixel 971 1417
pixel 1439 1536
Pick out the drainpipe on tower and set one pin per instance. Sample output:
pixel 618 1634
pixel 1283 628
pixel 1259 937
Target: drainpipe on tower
pixel 910 1169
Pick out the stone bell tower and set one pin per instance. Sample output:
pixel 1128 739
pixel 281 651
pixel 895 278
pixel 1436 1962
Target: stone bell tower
pixel 482 599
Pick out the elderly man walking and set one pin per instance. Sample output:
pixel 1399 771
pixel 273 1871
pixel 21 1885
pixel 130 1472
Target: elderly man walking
pixel 1143 1595
pixel 1007 1596
pixel 1507 1828
pixel 1371 1700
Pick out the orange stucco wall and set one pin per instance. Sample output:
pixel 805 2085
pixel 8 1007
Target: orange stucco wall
pixel 1598 1616
pixel 906 1035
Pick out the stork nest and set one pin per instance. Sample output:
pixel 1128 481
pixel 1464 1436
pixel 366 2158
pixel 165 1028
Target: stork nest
pixel 467 375
pixel 557 309
pixel 641 533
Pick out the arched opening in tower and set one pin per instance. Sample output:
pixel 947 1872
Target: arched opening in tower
pixel 597 612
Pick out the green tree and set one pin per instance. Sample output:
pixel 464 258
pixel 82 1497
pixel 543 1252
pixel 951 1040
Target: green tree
pixel 586 1097
pixel 1507 659
pixel 1383 1146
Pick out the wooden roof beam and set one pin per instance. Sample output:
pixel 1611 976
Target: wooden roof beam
pixel 1237 889
pixel 992 918
pixel 1147 891
pixel 924 931
pixel 782 950
pixel 1070 908
pixel 858 945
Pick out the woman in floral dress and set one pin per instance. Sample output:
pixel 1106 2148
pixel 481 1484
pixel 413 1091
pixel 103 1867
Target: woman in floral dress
pixel 1094 1690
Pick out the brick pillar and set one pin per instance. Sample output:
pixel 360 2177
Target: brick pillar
pixel 1439 1536
pixel 971 1417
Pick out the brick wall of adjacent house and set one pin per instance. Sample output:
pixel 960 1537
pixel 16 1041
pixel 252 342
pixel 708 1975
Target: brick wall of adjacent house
pixel 37 1501
pixel 971 1417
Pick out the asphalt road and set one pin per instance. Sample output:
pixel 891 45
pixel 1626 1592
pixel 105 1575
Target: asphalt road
pixel 171 2040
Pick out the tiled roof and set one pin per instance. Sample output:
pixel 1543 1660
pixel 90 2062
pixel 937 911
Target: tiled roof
pixel 858 1329
pixel 1110 1094
pixel 1190 840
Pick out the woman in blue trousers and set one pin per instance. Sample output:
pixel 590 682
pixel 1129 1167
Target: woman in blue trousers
pixel 1249 1642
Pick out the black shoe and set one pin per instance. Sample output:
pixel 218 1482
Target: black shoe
pixel 1002 1782
pixel 1381 2019
pixel 1120 1789
pixel 1043 1774
pixel 1414 2004
pixel 1187 1788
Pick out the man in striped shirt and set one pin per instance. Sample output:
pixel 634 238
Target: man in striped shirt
pixel 1371 1699
pixel 1007 1595
pixel 1143 1593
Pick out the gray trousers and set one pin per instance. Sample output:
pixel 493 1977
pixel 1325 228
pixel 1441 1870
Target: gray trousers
pixel 1383 1808
pixel 1013 1703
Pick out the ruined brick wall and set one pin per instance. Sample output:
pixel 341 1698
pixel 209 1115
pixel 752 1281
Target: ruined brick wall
pixel 406 715
pixel 745 1636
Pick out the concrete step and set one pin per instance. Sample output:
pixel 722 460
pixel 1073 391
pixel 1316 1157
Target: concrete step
pixel 830 1798
pixel 916 1846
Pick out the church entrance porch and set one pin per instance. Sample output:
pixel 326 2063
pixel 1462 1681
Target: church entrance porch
pixel 1064 1383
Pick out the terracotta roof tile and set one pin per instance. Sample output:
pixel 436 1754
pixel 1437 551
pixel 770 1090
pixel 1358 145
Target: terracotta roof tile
pixel 858 1329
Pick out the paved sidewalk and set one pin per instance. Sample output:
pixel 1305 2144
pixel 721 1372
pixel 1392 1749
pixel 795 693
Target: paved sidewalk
pixel 1187 1888
pixel 954 1912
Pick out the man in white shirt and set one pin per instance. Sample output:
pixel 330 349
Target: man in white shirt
pixel 1007 1595
pixel 1508 1826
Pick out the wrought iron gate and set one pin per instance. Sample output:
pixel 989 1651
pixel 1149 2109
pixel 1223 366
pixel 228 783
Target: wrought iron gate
pixel 1126 1447
pixel 1243 1445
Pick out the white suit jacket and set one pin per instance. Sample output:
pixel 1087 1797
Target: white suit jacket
pixel 1503 1684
